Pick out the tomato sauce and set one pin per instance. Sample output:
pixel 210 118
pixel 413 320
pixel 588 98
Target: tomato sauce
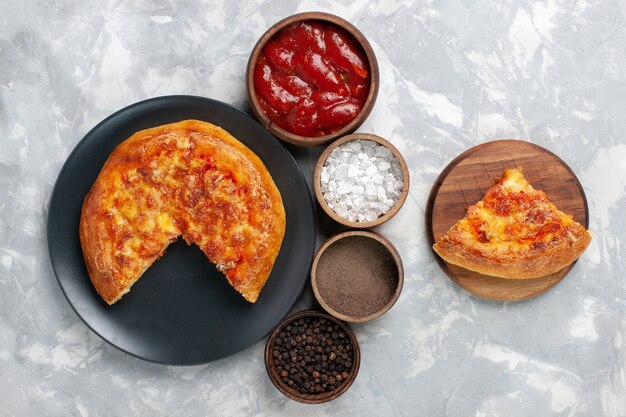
pixel 312 78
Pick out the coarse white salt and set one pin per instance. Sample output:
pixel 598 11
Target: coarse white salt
pixel 361 180
pixel 371 170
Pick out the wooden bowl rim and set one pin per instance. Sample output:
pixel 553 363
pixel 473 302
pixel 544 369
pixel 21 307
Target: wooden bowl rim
pixel 369 101
pixel 348 234
pixel 311 398
pixel 320 196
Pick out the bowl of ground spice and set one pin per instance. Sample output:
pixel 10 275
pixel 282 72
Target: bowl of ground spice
pixel 361 180
pixel 312 357
pixel 357 276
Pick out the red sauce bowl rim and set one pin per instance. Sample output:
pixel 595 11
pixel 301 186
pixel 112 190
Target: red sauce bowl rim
pixel 347 129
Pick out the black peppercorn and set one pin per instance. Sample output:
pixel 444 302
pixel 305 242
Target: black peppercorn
pixel 312 355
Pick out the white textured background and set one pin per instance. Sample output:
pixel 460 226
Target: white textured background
pixel 454 74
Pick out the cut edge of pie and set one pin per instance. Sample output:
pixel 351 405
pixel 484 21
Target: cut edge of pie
pixel 514 232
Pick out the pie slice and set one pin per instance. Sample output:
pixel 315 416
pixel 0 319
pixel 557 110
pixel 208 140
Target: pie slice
pixel 189 179
pixel 513 232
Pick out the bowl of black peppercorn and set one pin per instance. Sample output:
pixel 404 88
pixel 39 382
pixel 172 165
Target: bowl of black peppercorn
pixel 312 357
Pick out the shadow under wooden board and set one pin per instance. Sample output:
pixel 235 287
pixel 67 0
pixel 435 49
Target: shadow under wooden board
pixel 464 182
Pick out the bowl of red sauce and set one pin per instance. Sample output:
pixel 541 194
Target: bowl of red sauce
pixel 312 78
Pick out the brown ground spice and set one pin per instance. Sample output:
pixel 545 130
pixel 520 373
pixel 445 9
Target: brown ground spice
pixel 357 276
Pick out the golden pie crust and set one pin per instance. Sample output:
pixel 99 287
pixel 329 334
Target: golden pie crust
pixel 190 179
pixel 514 232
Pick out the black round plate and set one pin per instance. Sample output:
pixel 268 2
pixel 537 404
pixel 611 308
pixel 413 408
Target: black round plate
pixel 182 311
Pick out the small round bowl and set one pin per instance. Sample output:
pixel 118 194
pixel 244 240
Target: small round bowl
pixel 357 237
pixel 318 188
pixel 350 127
pixel 291 392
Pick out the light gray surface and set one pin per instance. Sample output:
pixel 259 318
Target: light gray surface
pixel 453 74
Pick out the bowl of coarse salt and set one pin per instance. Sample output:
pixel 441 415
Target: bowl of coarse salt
pixel 361 180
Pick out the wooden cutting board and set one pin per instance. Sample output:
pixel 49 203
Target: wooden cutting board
pixel 464 182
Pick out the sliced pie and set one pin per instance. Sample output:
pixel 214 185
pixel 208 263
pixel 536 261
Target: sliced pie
pixel 189 179
pixel 513 232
